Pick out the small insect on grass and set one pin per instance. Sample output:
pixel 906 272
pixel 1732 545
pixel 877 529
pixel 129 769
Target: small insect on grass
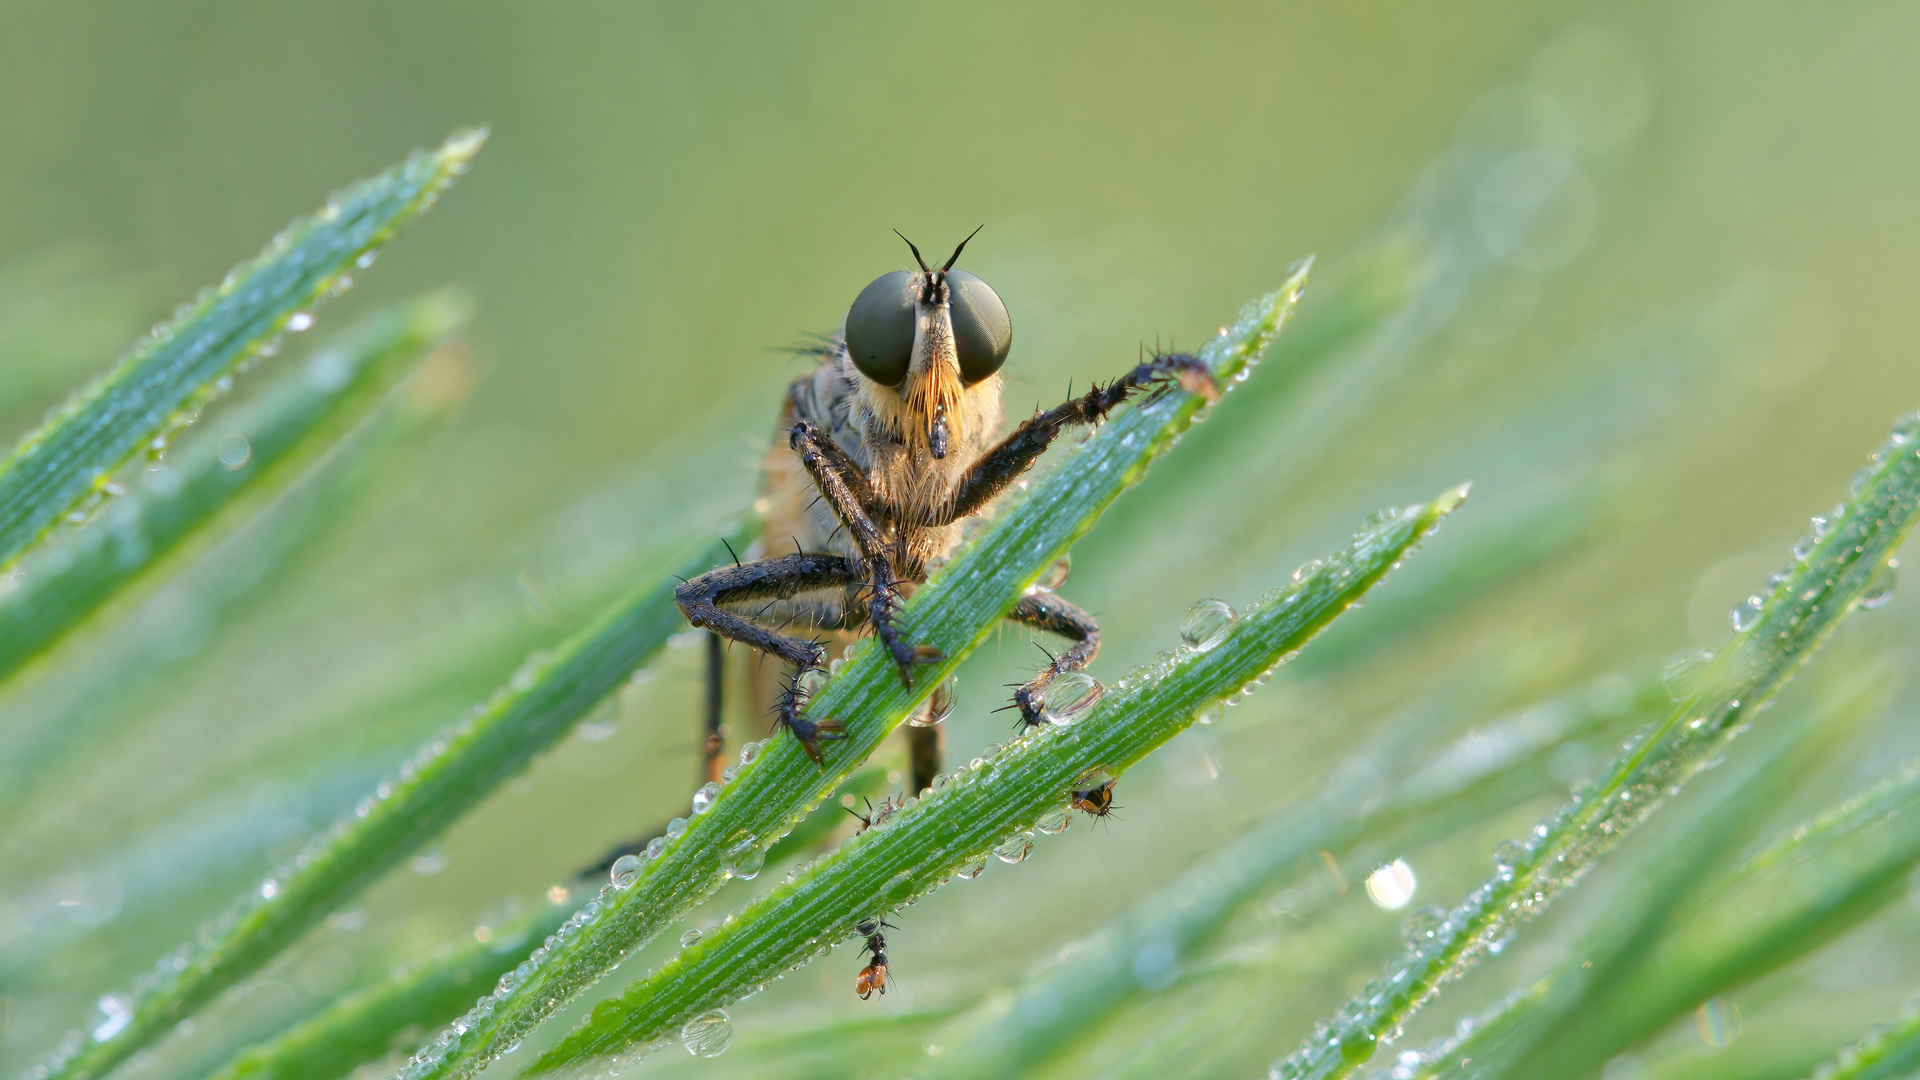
pixel 873 978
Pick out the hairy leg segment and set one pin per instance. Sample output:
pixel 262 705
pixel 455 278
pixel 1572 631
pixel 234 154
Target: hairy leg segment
pixel 1045 611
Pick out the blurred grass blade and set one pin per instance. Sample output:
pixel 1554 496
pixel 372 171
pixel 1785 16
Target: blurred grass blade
pixel 1816 883
pixel 1842 565
pixel 361 1026
pixel 252 452
pixel 1093 978
pixel 973 811
pixel 955 611
pixel 1888 1052
pixel 56 470
pixel 443 781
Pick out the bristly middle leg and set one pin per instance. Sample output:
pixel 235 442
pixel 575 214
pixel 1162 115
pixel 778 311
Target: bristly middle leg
pixel 771 579
pixel 1045 611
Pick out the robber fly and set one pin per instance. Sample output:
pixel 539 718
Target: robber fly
pixel 889 447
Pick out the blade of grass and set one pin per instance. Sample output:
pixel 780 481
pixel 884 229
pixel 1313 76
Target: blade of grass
pixel 980 806
pixel 1888 1052
pixel 447 778
pixel 183 363
pixel 953 612
pixel 257 450
pixel 360 1026
pixel 1068 996
pixel 1842 564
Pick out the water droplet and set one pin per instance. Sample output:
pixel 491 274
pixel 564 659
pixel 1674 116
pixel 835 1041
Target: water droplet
pixel 1745 613
pixel 1906 429
pixel 836 666
pixel 1210 713
pixel 655 846
pixel 744 859
pixel 748 753
pixel 940 705
pixel 1308 569
pixel 233 450
pixel 1506 856
pixel 1802 548
pixel 1683 673
pixel 690 938
pixel 1717 1021
pixel 899 887
pixel 1820 525
pixel 1206 624
pixel 1015 849
pixel 1392 885
pixel 1423 926
pixel 707 1035
pixel 703 799
pixel 366 260
pixel 116 1012
pixel 811 682
pixel 1055 575
pixel 676 827
pixel 1069 698
pixel 1880 589
pixel 972 869
pixel 625 869
pixel 300 322
pixel 1056 822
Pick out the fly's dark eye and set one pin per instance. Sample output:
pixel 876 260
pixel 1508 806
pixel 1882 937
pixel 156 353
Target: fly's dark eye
pixel 880 328
pixel 982 331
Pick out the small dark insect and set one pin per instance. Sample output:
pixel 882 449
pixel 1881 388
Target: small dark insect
pixel 874 976
pixel 1097 800
pixel 888 807
pixel 890 446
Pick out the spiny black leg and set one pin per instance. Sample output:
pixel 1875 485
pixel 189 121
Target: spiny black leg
pixel 1002 465
pixel 770 579
pixel 716 670
pixel 846 491
pixel 1045 611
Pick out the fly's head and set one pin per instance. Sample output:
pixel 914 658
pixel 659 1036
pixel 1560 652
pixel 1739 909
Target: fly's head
pixel 930 346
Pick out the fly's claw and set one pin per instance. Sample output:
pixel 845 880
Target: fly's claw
pixel 810 732
pixel 905 656
pixel 1187 371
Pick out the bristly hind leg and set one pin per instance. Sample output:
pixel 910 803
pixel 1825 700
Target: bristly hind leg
pixel 1045 611
pixel 771 579
pixel 712 760
pixel 1001 466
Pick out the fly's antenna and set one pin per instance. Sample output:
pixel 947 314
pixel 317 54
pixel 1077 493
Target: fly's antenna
pixel 956 251
pixel 916 252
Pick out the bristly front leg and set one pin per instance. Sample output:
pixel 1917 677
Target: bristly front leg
pixel 1045 611
pixel 1002 465
pixel 771 579
pixel 846 492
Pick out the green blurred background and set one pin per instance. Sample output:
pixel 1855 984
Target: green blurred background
pixel 1642 271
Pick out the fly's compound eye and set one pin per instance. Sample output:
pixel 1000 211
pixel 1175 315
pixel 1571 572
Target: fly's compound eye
pixel 982 331
pixel 880 328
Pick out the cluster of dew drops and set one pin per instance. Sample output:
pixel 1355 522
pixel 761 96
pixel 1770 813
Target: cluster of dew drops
pixel 1431 930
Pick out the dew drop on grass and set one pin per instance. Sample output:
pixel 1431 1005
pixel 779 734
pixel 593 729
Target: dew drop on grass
pixel 703 799
pixel 1206 624
pixel 1906 429
pixel 690 938
pixel 972 869
pixel 707 1035
pixel 744 859
pixel 300 322
pixel 1880 589
pixel 233 450
pixel 1069 698
pixel 1015 849
pixel 1391 886
pixel 1802 548
pixel 1682 675
pixel 1056 822
pixel 1745 613
pixel 676 827
pixel 1054 575
pixel 1423 926
pixel 655 846
pixel 941 705
pixel 1210 713
pixel 625 869
pixel 1506 856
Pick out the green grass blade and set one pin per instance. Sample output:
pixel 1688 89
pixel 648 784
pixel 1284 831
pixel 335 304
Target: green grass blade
pixel 169 375
pixel 1094 979
pixel 201 488
pixel 1888 1052
pixel 954 612
pixel 360 1027
pixel 1841 565
pixel 979 807
pixel 442 782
